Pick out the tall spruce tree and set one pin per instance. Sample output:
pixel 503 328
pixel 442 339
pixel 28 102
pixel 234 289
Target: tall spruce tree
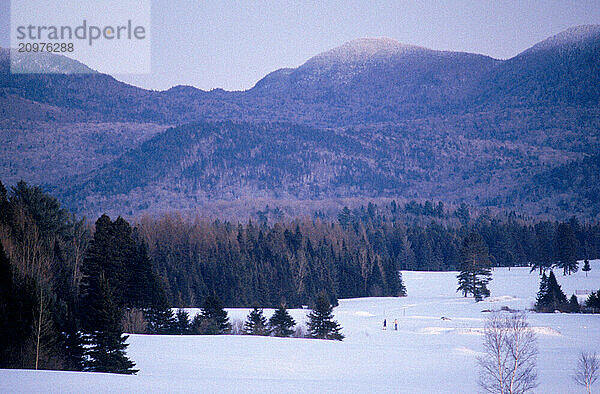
pixel 281 323
pixel 320 320
pixel 9 328
pixel 474 273
pixel 159 315
pixel 541 294
pixel 107 342
pixel 182 324
pixel 256 323
pixel 550 296
pixel 566 248
pixel 574 306
pixel 586 267
pixel 213 318
pixel 593 301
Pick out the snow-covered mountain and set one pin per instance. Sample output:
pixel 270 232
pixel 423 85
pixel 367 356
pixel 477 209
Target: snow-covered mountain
pixel 362 50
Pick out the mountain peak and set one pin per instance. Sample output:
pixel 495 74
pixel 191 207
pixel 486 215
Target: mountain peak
pixel 571 36
pixel 363 49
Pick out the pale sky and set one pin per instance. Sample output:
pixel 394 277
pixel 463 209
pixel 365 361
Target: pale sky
pixel 232 44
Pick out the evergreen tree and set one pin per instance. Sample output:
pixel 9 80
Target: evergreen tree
pixel 182 324
pixel 213 318
pixel 160 319
pixel 159 315
pixel 97 262
pixel 107 342
pixel 593 301
pixel 566 248
pixel 256 323
pixel 7 309
pixel 320 320
pixel 574 304
pixel 586 267
pixel 550 297
pixel 474 273
pixel 281 323
pixel 73 343
pixel 401 287
pixel 542 292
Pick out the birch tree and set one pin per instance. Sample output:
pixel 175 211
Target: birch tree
pixel 508 365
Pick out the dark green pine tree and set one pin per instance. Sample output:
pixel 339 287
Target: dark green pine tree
pixel 73 345
pixel 542 292
pixel 17 303
pixel 159 315
pixel 7 306
pixel 586 267
pixel 256 323
pixel 566 248
pixel 95 264
pixel 401 286
pixel 107 342
pixel 550 297
pixel 213 318
pixel 320 320
pixel 474 273
pixel 281 323
pixel 160 319
pixel 593 301
pixel 182 324
pixel 574 306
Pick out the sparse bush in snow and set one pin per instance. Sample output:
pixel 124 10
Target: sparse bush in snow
pixel 237 327
pixel 300 332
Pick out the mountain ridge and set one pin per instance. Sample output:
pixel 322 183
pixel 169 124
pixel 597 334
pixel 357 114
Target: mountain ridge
pixel 398 121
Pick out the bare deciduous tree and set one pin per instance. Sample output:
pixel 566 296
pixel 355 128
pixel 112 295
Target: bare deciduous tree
pixel 586 373
pixel 134 322
pixel 508 365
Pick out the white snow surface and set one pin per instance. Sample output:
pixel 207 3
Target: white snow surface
pixel 427 354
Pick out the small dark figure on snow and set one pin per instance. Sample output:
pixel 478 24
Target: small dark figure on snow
pixel 384 323
pixel 396 324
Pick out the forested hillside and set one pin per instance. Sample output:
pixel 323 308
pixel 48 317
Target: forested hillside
pixel 372 118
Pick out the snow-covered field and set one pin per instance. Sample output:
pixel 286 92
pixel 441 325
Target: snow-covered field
pixel 427 354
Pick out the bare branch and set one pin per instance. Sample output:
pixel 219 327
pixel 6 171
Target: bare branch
pixel 588 366
pixel 509 363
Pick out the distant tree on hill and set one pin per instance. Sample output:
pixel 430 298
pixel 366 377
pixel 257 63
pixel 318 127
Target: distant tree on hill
pixel 212 319
pixel 281 323
pixel 320 320
pixel 256 323
pixel 566 248
pixel 586 267
pixel 474 273
pixel 462 213
pixel 550 297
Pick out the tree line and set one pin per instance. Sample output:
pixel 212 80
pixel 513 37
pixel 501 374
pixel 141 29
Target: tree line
pixel 255 263
pixel 428 236
pixel 68 289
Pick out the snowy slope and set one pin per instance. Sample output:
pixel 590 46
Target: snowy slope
pixel 426 355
